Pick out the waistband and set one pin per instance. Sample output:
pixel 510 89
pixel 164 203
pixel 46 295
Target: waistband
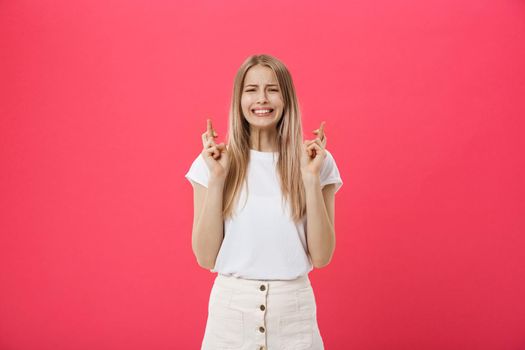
pixel 271 286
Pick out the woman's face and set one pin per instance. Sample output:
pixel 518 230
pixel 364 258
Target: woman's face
pixel 261 93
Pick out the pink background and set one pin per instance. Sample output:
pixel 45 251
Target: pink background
pixel 102 105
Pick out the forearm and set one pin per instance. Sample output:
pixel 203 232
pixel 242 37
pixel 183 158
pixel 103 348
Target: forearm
pixel 320 231
pixel 208 233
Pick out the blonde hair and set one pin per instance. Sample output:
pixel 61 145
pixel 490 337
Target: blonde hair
pixel 290 139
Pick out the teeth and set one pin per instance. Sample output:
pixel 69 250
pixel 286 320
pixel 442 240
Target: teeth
pixel 262 111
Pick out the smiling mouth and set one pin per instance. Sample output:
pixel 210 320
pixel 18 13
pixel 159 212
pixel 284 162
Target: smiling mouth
pixel 262 112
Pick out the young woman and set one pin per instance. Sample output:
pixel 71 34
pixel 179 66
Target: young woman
pixel 263 216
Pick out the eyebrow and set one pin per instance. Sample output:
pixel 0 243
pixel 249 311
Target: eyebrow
pixel 257 85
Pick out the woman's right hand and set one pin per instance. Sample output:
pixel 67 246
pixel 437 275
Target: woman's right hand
pixel 215 155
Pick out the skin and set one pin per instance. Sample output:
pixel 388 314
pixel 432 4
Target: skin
pixel 208 226
pixel 261 90
pixel 207 234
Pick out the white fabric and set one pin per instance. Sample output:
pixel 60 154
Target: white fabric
pixel 252 314
pixel 261 241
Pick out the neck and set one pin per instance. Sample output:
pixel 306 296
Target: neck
pixel 263 140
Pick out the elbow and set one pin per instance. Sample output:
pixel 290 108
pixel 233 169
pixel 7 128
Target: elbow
pixel 323 259
pixel 204 261
pixel 207 264
pixel 320 263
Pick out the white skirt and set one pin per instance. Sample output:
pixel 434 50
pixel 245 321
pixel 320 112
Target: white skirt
pixel 261 315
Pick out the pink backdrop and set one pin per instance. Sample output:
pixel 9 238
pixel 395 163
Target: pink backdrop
pixel 102 105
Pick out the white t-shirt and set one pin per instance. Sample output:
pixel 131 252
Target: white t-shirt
pixel 261 241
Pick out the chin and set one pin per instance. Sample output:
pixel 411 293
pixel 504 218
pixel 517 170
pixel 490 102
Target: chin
pixel 263 123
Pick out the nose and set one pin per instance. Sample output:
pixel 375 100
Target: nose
pixel 261 98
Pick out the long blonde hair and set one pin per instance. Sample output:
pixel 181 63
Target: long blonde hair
pixel 290 138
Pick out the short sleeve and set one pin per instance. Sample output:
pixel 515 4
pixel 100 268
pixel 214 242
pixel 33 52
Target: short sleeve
pixel 330 173
pixel 199 171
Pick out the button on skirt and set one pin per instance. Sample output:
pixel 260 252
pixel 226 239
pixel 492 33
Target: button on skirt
pixel 261 315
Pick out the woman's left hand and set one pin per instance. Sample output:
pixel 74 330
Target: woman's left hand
pixel 313 153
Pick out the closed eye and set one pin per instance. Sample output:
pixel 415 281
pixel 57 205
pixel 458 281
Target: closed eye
pixel 254 90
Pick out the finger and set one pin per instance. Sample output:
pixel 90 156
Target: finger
pixel 311 146
pixel 220 150
pixel 209 143
pixel 313 141
pixel 316 146
pixel 317 149
pixel 206 142
pixel 316 141
pixel 321 130
pixel 318 135
pixel 305 147
pixel 311 150
pixel 221 147
pixel 209 128
pixel 324 140
pixel 213 151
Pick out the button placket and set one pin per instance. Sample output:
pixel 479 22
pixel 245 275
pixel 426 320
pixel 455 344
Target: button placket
pixel 261 330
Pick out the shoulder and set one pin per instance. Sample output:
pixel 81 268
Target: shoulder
pixel 330 172
pixel 329 161
pixel 199 171
pixel 329 155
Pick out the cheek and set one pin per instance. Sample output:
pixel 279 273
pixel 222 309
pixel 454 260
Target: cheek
pixel 277 101
pixel 244 104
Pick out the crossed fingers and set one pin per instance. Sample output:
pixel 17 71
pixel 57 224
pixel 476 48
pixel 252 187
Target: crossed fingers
pixel 319 141
pixel 208 141
pixel 320 131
